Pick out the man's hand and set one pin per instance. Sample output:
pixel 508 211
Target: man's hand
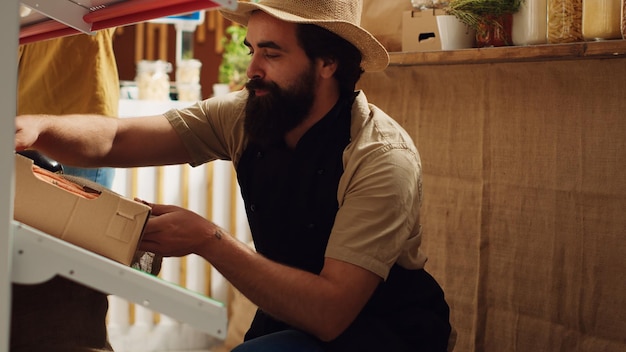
pixel 173 231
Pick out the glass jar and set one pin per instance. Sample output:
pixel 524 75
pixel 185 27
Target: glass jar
pixel 601 19
pixel 429 4
pixel 565 21
pixel 623 19
pixel 189 91
pixel 153 80
pixel 529 23
pixel 495 31
pixel 188 71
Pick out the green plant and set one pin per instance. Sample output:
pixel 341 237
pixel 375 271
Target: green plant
pixel 235 58
pixel 477 13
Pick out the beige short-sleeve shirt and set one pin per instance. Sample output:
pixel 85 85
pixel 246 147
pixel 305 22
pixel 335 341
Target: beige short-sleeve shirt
pixel 379 193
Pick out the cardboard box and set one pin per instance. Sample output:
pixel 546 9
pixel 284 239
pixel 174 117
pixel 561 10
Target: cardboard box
pixel 419 31
pixel 433 30
pixel 109 225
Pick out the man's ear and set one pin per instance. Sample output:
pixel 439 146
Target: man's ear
pixel 327 66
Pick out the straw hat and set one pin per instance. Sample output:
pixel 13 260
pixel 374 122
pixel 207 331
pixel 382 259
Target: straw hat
pixel 342 17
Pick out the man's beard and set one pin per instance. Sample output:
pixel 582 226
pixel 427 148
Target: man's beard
pixel 271 116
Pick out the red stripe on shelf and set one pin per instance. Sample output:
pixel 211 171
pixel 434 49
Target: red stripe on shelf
pixel 130 7
pixel 189 6
pixel 117 14
pixel 64 32
pixel 41 28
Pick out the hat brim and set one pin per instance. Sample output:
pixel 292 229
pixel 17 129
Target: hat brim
pixel 374 55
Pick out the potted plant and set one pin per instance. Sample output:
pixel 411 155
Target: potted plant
pixel 491 19
pixel 235 58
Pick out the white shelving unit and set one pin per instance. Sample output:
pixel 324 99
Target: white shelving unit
pixel 8 58
pixel 30 256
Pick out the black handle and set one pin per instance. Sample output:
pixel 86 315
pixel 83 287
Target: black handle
pixel 42 161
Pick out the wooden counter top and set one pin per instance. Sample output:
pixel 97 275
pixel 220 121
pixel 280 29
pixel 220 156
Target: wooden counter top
pixel 584 50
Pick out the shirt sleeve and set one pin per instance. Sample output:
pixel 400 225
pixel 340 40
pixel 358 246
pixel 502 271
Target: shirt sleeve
pixel 379 194
pixel 212 129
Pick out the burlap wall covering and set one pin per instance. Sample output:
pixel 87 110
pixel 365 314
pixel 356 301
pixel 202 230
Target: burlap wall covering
pixel 524 197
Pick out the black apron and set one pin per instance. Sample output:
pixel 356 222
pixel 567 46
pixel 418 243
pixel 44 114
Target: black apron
pixel 290 198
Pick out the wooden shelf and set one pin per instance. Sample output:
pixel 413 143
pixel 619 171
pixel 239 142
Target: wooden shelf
pixel 549 52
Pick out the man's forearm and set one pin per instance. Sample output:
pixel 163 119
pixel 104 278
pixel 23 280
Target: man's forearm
pixel 317 304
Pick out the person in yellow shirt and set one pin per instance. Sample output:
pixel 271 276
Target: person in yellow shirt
pixel 69 75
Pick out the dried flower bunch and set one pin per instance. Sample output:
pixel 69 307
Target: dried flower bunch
pixel 475 13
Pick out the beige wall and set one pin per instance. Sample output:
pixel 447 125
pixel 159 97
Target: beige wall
pixel 525 196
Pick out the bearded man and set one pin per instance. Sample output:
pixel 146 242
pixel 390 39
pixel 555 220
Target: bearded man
pixel 331 185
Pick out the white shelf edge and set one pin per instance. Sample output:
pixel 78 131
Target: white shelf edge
pixel 38 257
pixel 64 11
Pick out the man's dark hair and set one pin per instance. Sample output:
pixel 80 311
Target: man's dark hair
pixel 319 42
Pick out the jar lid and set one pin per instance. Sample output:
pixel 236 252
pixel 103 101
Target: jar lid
pixel 189 63
pixel 154 66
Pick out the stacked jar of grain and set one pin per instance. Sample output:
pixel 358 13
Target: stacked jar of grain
pixel 601 19
pixel 188 80
pixel 153 80
pixel 565 21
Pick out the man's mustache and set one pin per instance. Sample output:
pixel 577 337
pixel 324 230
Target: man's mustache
pixel 253 84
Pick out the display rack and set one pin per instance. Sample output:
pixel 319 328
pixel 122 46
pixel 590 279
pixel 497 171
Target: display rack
pixel 8 39
pixel 56 18
pixel 31 256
